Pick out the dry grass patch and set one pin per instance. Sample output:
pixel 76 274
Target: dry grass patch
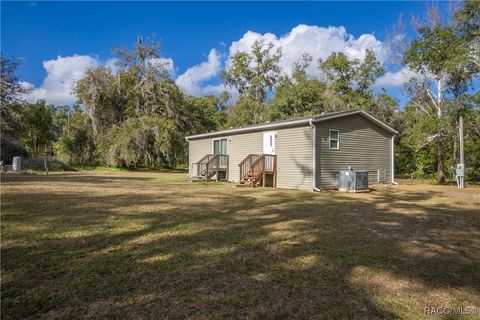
pixel 151 245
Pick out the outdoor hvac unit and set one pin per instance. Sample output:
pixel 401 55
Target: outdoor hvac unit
pixel 353 181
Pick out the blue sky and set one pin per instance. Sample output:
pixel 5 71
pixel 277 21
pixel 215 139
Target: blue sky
pixel 59 40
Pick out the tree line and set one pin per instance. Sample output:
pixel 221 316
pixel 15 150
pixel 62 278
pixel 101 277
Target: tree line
pixel 136 115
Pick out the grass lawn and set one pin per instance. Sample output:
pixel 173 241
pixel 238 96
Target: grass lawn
pixel 144 245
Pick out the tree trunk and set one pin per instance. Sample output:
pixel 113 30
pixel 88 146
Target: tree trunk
pixel 440 172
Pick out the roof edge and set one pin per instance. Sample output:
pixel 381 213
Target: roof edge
pixel 361 112
pixel 293 122
pixel 273 125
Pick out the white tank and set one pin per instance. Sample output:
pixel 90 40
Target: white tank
pixel 17 164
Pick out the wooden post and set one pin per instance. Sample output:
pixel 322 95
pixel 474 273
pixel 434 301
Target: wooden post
pixel 206 171
pixel 275 172
pixel 460 129
pixel 228 168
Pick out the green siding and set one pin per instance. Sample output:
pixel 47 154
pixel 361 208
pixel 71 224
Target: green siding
pixel 363 145
pixel 294 157
pixel 239 146
pixel 293 147
pixel 197 149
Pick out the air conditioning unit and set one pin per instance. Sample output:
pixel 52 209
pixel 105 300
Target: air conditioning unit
pixel 352 181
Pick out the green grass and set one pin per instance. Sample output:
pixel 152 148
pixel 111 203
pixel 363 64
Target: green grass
pixel 152 245
pixel 97 168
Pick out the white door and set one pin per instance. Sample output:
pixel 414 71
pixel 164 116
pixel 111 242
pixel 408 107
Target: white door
pixel 269 142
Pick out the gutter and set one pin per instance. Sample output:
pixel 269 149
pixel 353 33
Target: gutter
pixel 252 128
pixel 314 153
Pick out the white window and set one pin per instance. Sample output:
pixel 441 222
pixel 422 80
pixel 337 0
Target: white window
pixel 334 139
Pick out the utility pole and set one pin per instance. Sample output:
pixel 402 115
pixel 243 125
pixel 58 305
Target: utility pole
pixel 461 174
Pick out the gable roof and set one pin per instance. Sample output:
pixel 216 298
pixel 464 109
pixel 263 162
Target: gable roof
pixel 293 122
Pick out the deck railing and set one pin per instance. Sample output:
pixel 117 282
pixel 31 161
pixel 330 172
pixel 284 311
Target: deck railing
pixel 255 167
pixel 201 165
pixel 209 165
pixel 246 164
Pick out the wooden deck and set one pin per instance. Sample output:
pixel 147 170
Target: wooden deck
pixel 258 170
pixel 211 165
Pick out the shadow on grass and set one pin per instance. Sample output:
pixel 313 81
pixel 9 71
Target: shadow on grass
pixel 146 249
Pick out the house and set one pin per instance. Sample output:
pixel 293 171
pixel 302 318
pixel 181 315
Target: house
pixel 303 153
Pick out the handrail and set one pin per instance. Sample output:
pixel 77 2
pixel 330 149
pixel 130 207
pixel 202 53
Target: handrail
pixel 203 158
pixel 247 158
pixel 246 164
pixel 201 164
pixel 257 170
pixel 209 165
pixel 255 167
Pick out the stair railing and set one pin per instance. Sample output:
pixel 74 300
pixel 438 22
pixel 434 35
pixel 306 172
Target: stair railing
pixel 201 165
pixel 257 170
pixel 246 164
pixel 215 162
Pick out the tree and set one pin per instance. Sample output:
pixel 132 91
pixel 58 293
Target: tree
pixel 10 87
pixel 150 141
pixel 134 110
pixel 244 112
pixel 254 74
pixel 298 94
pixel 11 109
pixel 442 65
pixel 351 79
pixel 205 113
pixel 76 144
pixel 100 92
pixel 37 124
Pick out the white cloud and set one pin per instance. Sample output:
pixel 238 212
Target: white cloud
pixel 319 42
pixel 112 64
pixel 198 80
pixel 393 79
pixel 62 73
pixel 167 63
pixel 191 81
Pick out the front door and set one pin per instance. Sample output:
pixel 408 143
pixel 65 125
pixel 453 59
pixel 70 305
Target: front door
pixel 269 142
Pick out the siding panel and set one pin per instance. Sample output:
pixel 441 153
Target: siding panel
pixel 197 149
pixel 363 145
pixel 241 145
pixel 293 148
pixel 294 157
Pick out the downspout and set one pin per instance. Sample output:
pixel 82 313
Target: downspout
pixel 188 163
pixel 314 154
pixel 393 160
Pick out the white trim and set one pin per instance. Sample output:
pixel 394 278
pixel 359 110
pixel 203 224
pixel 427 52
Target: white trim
pixel 288 123
pixel 330 139
pixel 219 138
pixel 314 156
pixel 259 127
pixel 189 159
